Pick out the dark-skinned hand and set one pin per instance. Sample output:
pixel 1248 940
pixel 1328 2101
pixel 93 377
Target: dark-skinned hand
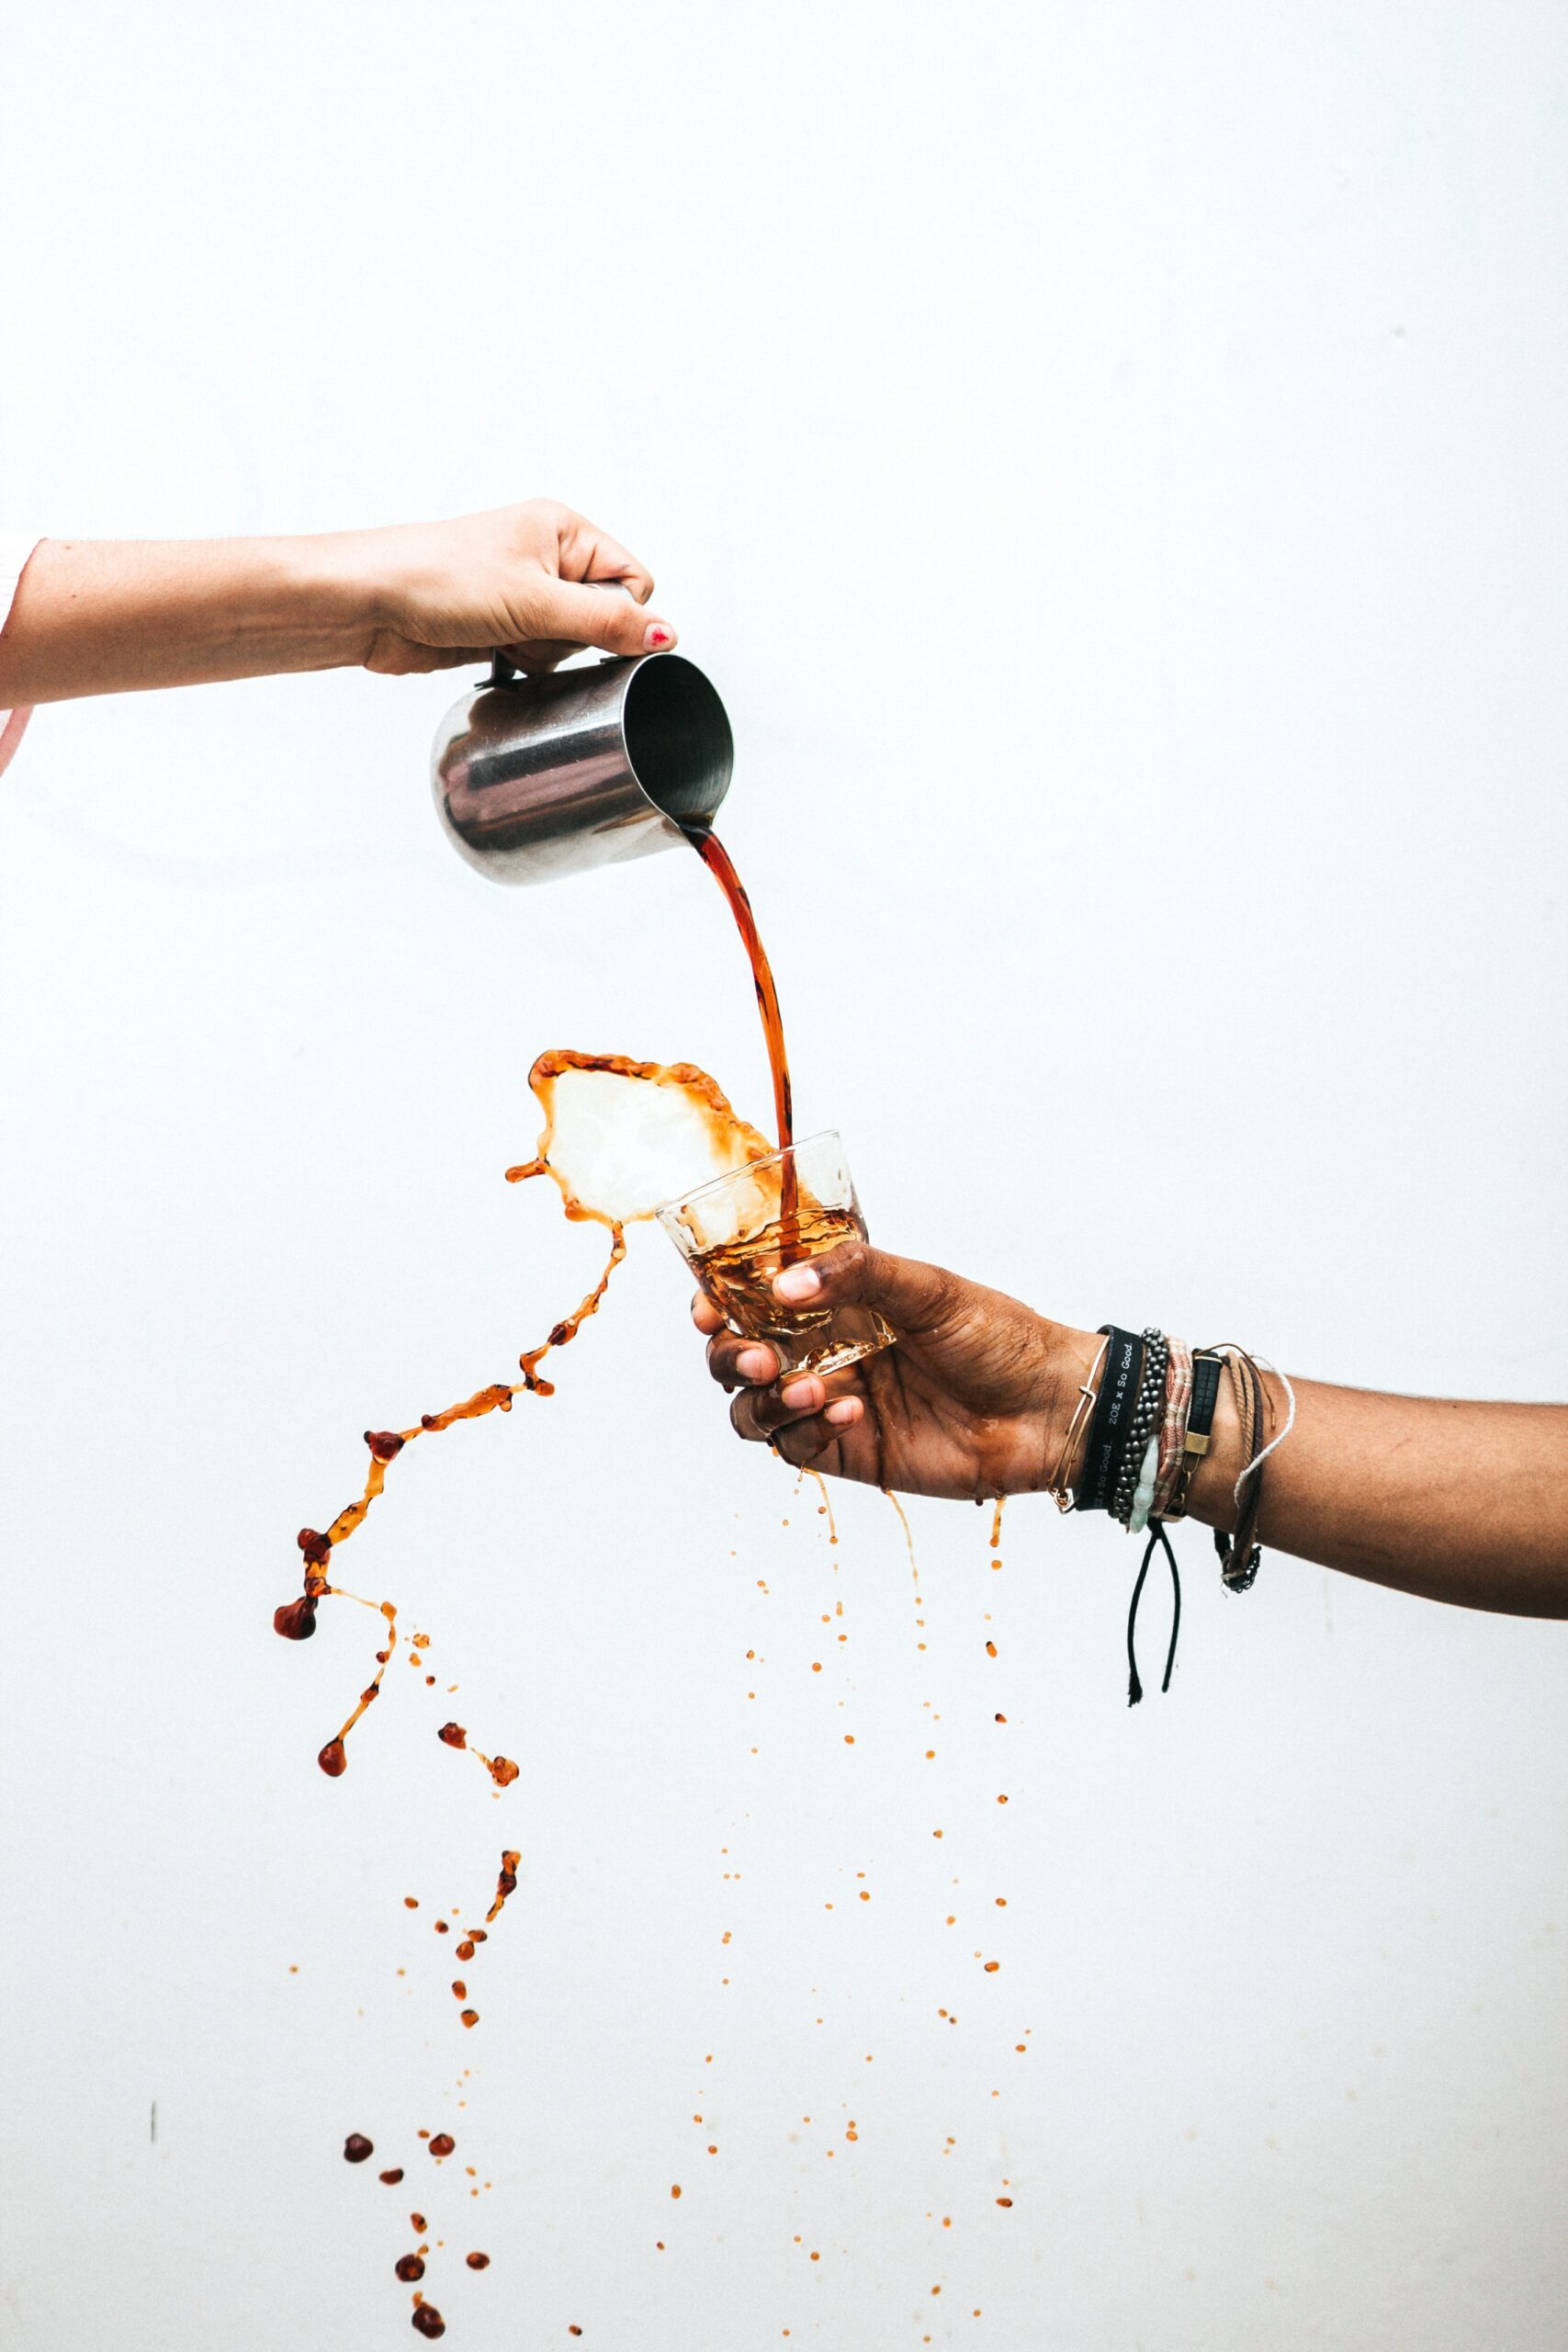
pixel 972 1399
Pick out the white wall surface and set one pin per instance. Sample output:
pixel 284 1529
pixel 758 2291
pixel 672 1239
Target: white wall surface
pixel 1111 461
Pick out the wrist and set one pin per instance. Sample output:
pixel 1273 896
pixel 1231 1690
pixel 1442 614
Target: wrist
pixel 1067 1369
pixel 339 588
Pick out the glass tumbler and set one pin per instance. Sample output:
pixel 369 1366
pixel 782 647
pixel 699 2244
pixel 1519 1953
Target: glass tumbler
pixel 737 1231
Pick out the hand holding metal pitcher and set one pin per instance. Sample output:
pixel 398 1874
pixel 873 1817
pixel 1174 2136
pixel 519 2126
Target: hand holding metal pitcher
pixel 542 776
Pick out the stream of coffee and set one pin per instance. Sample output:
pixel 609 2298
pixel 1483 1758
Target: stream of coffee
pixel 721 865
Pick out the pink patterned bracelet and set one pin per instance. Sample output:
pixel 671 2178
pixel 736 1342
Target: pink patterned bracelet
pixel 1173 1429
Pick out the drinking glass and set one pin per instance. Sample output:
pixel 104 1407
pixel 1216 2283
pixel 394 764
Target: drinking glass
pixel 737 1231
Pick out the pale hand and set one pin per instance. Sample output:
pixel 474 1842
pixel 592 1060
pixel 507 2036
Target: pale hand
pixel 515 579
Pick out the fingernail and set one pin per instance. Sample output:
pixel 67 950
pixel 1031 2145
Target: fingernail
pixel 799 1392
pixel 755 1363
pixel 797 1283
pixel 656 637
pixel 843 1412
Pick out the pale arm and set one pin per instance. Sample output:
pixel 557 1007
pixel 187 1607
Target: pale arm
pixel 106 617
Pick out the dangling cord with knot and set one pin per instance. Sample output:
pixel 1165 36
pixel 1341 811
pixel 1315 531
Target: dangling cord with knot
pixel 1135 1687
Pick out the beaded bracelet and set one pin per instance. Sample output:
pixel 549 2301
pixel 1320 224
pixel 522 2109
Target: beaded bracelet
pixel 1145 1416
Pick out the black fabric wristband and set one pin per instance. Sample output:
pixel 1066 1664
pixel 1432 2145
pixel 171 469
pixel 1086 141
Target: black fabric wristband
pixel 1113 1410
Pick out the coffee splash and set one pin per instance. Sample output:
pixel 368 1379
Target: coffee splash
pixel 620 1137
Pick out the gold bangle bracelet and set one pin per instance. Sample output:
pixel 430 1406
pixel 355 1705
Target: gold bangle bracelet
pixel 1058 1488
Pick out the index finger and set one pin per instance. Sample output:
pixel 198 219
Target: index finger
pixel 589 553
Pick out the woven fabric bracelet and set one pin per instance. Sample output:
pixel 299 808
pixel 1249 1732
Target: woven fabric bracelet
pixel 1173 1431
pixel 1145 1418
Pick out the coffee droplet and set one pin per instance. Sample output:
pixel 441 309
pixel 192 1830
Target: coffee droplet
pixel 356 2147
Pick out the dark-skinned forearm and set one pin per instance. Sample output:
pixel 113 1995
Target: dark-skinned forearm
pixel 1456 1501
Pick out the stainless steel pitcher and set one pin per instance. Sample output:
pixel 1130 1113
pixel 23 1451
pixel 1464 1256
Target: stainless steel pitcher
pixel 542 776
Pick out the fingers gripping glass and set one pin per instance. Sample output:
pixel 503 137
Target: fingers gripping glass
pixel 737 1232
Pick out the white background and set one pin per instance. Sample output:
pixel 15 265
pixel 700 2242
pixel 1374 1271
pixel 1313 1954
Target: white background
pixel 1111 461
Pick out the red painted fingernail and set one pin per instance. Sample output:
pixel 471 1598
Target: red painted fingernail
pixel 656 637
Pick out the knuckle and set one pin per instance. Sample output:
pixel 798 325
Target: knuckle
pixel 946 1292
pixel 742 1416
pixel 801 1442
pixel 848 1267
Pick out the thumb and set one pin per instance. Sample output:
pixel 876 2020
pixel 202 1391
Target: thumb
pixel 603 615
pixel 920 1300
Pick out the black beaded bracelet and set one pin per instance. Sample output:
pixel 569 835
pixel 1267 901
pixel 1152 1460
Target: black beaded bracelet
pixel 1119 1386
pixel 1144 1422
